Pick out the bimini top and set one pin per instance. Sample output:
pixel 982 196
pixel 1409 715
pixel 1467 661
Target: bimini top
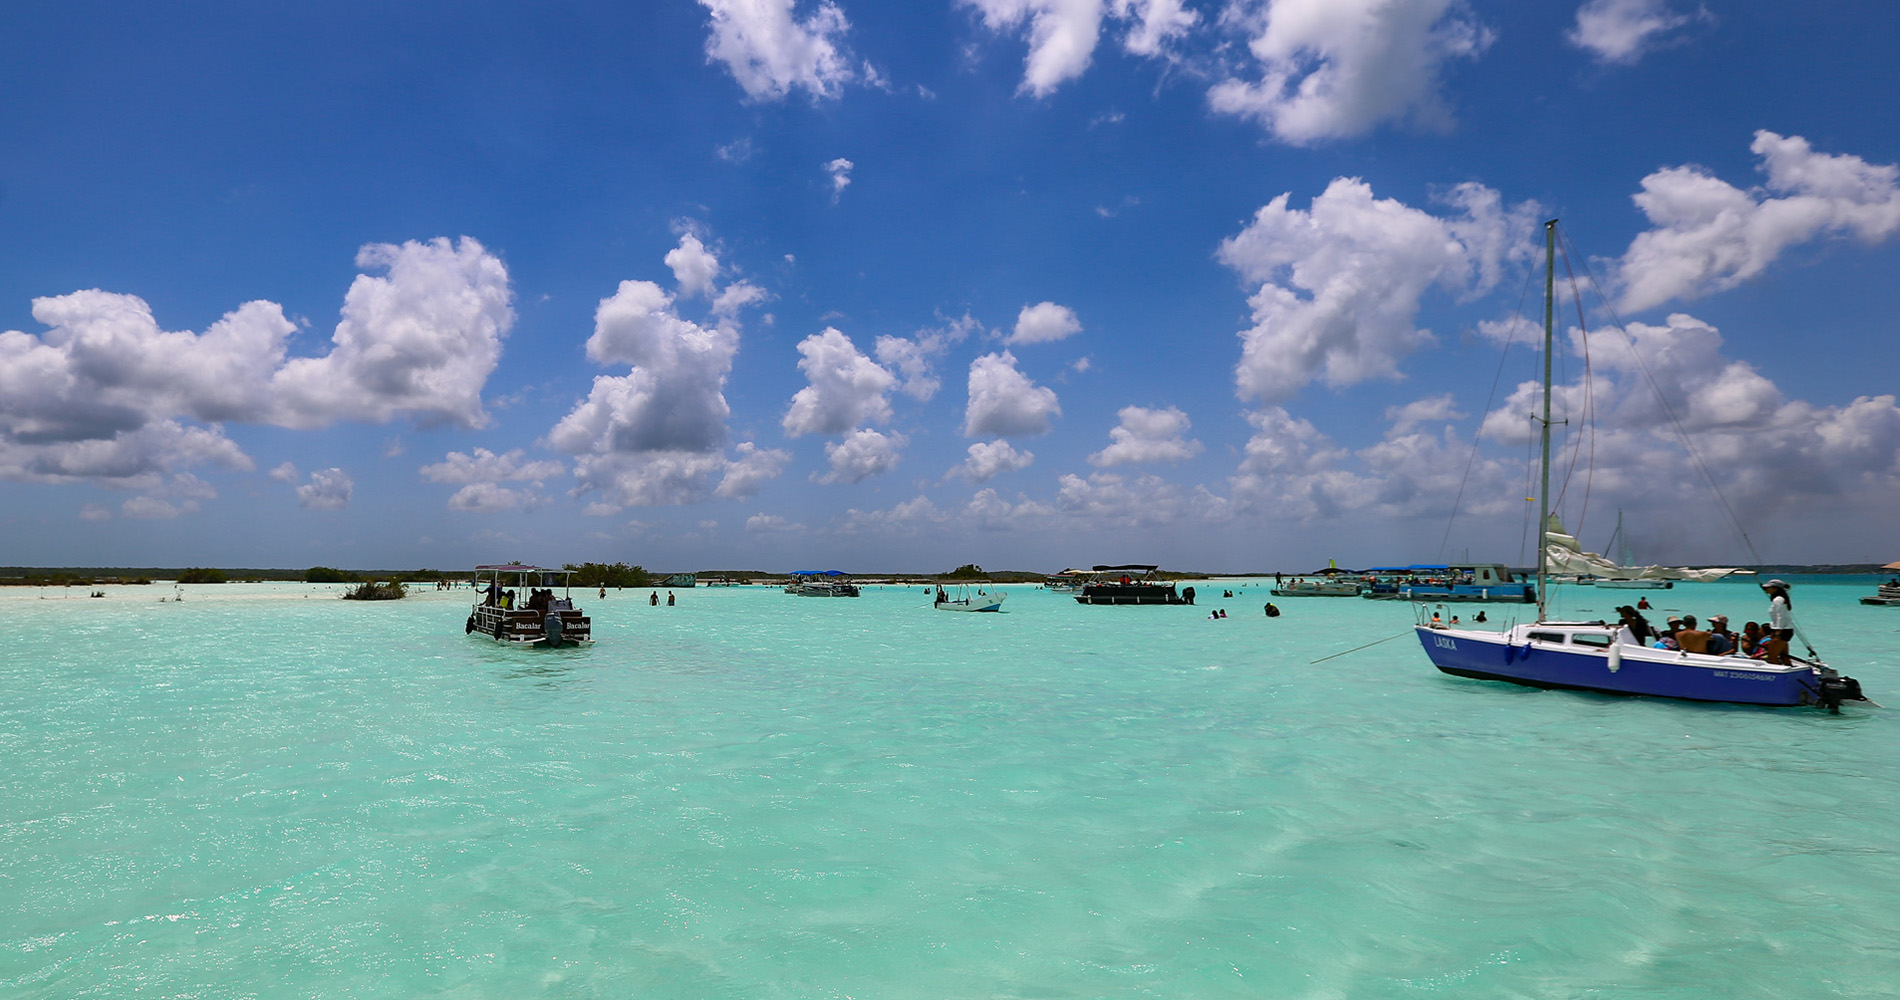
pixel 519 568
pixel 1139 566
pixel 1415 568
pixel 817 572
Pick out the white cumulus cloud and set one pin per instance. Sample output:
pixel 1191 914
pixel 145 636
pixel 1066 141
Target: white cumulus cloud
pixel 420 341
pixel 839 170
pixel 1044 322
pixel 483 466
pixel 656 435
pixel 989 459
pixel 1623 31
pixel 771 52
pixel 749 471
pixel 1004 402
pixel 846 390
pixel 912 357
pixel 328 489
pixel 1063 34
pixel 1147 435
pixel 695 268
pixel 105 392
pixel 861 454
pixel 1710 236
pixel 1331 69
pixel 491 498
pixel 1340 284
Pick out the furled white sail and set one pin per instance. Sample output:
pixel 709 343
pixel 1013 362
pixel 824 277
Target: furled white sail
pixel 1564 554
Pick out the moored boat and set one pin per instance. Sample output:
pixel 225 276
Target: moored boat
pixel 540 619
pixel 1135 583
pixel 969 597
pixel 1472 583
pixel 1317 588
pixel 1066 582
pixel 1601 656
pixel 1887 595
pixel 821 583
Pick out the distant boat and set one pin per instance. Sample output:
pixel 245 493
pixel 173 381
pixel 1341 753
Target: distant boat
pixel 970 597
pixel 680 581
pixel 1593 655
pixel 526 620
pixel 1889 592
pixel 1131 584
pixel 1066 582
pixel 1466 583
pixel 1317 588
pixel 821 583
pixel 1565 555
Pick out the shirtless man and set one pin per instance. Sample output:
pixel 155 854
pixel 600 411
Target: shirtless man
pixel 1690 638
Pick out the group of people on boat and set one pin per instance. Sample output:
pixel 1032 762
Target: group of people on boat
pixel 1767 642
pixel 538 599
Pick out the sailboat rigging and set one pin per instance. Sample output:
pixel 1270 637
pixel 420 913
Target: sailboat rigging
pixel 1595 655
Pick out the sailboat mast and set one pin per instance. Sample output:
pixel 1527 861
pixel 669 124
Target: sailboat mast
pixel 1543 492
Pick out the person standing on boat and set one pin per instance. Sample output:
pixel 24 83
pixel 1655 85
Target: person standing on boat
pixel 1780 608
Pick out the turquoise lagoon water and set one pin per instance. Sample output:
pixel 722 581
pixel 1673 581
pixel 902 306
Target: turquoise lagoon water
pixel 263 791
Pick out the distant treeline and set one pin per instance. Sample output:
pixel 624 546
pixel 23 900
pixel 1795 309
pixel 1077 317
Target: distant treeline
pixel 618 574
pixel 609 575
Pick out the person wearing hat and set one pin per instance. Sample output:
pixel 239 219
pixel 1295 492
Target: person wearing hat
pixel 1666 636
pixel 1780 608
pixel 1721 640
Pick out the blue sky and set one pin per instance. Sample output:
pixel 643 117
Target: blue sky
pixel 1027 283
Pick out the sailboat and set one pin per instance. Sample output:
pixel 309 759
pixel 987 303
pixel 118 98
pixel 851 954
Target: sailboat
pixel 1565 555
pixel 1589 655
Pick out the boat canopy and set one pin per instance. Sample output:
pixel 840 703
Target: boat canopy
pixel 1139 566
pixel 817 572
pixel 519 568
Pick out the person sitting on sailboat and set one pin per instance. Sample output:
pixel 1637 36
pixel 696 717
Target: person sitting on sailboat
pixel 1635 629
pixel 1721 640
pixel 1774 649
pixel 1691 639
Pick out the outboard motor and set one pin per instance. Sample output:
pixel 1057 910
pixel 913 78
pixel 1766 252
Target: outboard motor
pixel 551 626
pixel 1836 689
pixel 1188 592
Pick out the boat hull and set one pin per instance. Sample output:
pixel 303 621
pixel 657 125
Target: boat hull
pixel 1316 590
pixel 527 627
pixel 1508 593
pixel 1631 670
pixel 1129 593
pixel 990 603
pixel 1607 584
pixel 823 590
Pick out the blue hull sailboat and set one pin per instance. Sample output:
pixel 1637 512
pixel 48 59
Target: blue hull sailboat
pixel 1589 656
